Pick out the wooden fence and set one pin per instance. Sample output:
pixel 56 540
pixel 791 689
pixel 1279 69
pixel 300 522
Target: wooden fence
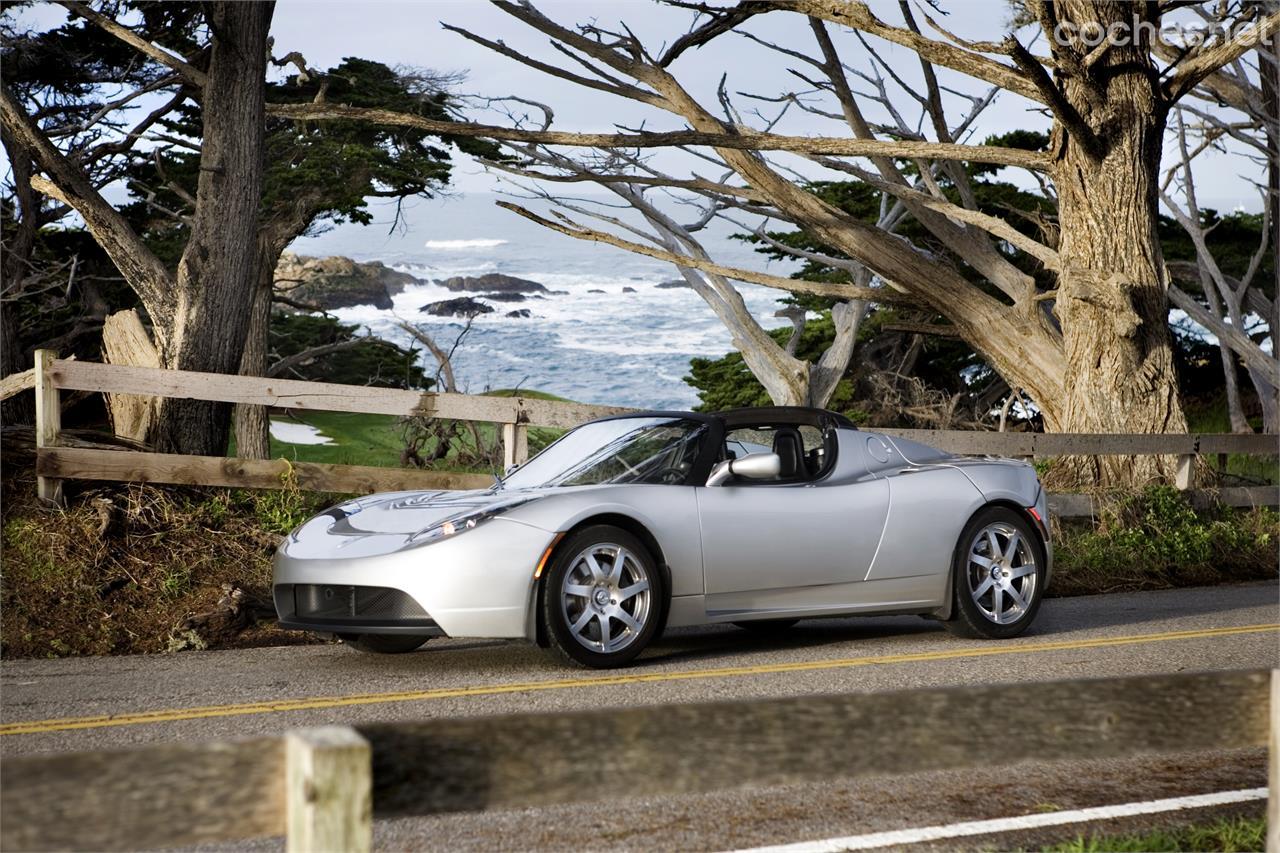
pixel 322 787
pixel 513 416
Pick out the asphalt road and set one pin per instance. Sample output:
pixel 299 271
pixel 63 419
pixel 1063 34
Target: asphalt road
pixel 74 704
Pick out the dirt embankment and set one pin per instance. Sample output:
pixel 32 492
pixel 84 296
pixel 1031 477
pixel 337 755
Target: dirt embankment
pixel 129 569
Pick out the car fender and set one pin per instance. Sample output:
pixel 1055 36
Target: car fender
pixel 668 513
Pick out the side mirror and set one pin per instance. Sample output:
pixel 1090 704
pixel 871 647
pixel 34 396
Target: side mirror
pixel 754 466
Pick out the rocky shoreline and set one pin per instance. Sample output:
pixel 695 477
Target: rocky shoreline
pixel 326 284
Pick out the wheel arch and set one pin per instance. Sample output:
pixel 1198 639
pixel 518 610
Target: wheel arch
pixel 945 612
pixel 622 521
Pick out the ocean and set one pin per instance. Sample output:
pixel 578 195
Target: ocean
pixel 610 347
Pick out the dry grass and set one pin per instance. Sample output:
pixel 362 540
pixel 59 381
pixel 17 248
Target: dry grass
pixel 124 569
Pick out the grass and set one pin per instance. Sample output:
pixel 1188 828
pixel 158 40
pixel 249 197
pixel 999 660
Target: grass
pixel 1231 835
pixel 1212 419
pixel 362 439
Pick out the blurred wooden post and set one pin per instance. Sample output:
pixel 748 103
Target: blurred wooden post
pixel 48 421
pixel 515 444
pixel 328 791
pixel 1186 471
pixel 1273 797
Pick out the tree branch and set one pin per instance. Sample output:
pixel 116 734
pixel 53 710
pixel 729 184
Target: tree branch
pixel 189 72
pixel 855 14
pixel 743 140
pixel 1201 64
pixel 1241 344
pixel 72 187
pixel 818 288
pixel 300 358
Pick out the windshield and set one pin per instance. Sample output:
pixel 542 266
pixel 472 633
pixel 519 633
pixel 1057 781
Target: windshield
pixel 621 450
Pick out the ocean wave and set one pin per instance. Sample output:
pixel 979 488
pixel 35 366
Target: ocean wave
pixel 463 245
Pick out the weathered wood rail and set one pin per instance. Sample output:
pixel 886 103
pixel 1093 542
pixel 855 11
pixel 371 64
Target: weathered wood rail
pixel 322 787
pixel 513 415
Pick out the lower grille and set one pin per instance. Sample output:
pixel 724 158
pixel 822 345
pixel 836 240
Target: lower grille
pixel 338 602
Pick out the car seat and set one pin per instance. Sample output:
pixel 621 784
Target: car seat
pixel 790 450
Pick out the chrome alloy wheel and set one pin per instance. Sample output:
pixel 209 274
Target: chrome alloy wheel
pixel 1002 572
pixel 606 598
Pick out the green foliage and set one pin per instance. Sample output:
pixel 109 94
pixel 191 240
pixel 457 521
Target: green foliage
pixel 374 361
pixel 727 383
pixel 1228 835
pixel 279 511
pixel 1157 539
pixel 317 173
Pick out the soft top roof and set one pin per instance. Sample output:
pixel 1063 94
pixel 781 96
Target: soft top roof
pixel 797 415
pixel 793 415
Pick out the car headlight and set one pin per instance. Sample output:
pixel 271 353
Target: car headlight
pixel 462 522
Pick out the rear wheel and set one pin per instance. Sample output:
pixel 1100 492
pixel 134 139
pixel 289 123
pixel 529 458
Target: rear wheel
pixel 603 597
pixel 384 644
pixel 997 576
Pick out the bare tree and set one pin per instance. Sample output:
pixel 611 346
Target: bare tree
pixel 1244 116
pixel 1093 351
pixel 428 440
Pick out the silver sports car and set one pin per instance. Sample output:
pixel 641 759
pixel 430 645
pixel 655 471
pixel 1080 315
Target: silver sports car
pixel 632 524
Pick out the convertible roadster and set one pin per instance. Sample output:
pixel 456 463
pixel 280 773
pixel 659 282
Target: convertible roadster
pixel 629 525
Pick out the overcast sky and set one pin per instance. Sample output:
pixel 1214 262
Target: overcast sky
pixel 409 32
pixel 404 32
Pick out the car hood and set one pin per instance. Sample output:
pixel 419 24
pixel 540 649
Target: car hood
pixel 407 513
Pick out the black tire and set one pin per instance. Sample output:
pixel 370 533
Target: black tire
pixel 969 618
pixel 384 644
pixel 767 627
pixel 557 611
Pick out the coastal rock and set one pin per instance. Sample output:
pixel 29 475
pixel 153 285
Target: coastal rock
pixel 463 306
pixel 338 282
pixel 492 283
pixel 595 290
pixel 674 284
pixel 628 290
pixel 520 313
pixel 504 297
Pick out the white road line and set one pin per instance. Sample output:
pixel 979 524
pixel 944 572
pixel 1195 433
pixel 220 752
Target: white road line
pixel 1011 824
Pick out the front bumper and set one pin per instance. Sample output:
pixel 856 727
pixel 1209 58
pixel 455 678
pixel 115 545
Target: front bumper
pixel 344 609
pixel 475 584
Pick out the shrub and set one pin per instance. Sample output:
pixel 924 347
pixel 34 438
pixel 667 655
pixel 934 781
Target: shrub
pixel 1157 539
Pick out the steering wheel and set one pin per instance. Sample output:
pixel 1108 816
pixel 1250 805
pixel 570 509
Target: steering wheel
pixel 672 476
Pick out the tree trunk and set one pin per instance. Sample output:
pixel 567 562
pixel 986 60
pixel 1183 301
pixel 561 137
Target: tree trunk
pixel 253 437
pixel 218 271
pixel 19 409
pixel 1268 387
pixel 1230 377
pixel 125 341
pixel 1112 293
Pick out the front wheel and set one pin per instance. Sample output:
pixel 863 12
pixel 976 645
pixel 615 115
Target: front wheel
pixel 998 576
pixel 384 644
pixel 603 597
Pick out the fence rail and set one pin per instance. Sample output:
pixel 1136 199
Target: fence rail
pixel 512 415
pixel 322 787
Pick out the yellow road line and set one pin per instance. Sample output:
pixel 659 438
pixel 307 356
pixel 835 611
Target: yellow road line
pixel 317 702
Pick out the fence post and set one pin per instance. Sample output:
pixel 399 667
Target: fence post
pixel 515 444
pixel 328 791
pixel 1185 475
pixel 48 421
pixel 1273 748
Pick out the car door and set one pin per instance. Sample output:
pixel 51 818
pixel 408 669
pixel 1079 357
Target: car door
pixel 800 547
